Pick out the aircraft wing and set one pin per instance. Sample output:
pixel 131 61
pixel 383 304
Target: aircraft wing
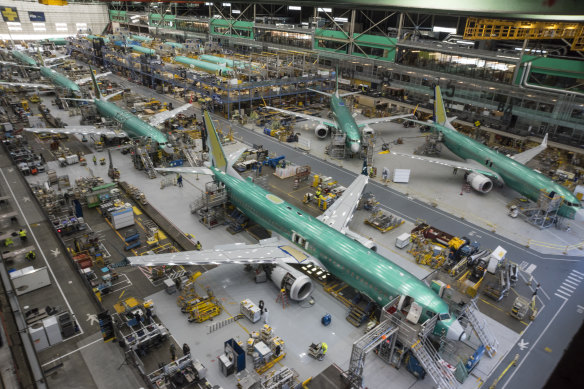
pixel 26 85
pixel 528 155
pixel 186 170
pixel 83 130
pixel 307 117
pixel 82 81
pixel 161 117
pixel 363 123
pixel 470 165
pixel 55 58
pixel 267 251
pixel 340 213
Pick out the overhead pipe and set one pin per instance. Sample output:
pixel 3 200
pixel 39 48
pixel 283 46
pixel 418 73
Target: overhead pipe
pixel 523 83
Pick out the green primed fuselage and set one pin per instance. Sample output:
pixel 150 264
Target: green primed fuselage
pixel 348 260
pixel 131 124
pixel 202 65
pixel 59 79
pixel 515 175
pixel 346 123
pixel 25 59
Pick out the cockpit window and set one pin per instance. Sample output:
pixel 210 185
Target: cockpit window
pixel 444 316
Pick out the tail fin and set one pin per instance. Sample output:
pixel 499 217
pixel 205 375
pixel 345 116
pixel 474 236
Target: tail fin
pixel 218 159
pixel 439 111
pixel 95 86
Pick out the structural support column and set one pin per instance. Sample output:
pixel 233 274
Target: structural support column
pixel 352 31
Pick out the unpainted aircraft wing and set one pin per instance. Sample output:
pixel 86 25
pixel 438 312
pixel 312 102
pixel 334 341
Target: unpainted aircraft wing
pixel 267 251
pixel 186 170
pixel 363 123
pixel 83 130
pixel 161 117
pixel 320 120
pixel 470 165
pixel 528 155
pixel 84 80
pixel 55 58
pixel 27 85
pixel 340 213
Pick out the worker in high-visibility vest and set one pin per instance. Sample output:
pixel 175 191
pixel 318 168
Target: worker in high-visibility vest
pixel 22 234
pixel 8 242
pixel 318 192
pixel 198 246
pixel 324 348
pixel 31 255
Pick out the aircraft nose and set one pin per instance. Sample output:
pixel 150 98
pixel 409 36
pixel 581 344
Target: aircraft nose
pixel 456 332
pixel 354 147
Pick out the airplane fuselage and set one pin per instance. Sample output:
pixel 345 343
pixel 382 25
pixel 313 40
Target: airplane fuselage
pixel 515 175
pixel 60 80
pixel 25 59
pixel 131 124
pixel 346 123
pixel 348 260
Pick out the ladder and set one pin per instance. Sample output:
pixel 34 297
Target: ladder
pixel 488 340
pixel 193 160
pixel 283 298
pixel 428 358
pixel 146 162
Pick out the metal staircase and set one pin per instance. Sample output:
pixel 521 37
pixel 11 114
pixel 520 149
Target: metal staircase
pixel 191 157
pixel 429 359
pixel 146 162
pixel 488 340
pixel 365 344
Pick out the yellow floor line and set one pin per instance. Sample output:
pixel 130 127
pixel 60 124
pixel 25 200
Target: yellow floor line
pixel 137 210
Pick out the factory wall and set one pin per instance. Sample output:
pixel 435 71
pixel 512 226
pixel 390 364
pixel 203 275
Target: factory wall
pixel 26 20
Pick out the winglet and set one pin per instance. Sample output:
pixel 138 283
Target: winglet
pixel 439 110
pixel 95 86
pixel 218 156
pixel 544 141
pixel 364 168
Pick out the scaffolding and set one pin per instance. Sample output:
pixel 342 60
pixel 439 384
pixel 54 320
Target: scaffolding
pixel 338 145
pixel 500 29
pixel 544 213
pixel 210 207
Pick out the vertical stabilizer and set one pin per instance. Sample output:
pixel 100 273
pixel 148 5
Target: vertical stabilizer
pixel 439 111
pixel 95 86
pixel 218 159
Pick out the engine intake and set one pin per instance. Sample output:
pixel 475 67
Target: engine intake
pixel 299 286
pixel 479 182
pixel 321 131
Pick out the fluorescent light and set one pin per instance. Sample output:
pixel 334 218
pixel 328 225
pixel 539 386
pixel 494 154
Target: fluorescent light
pixel 235 11
pixel 227 4
pixel 341 19
pixel 81 25
pixel 208 3
pixel 465 42
pixel 13 24
pixel 294 8
pixel 451 30
pixel 325 10
pixel 39 26
pixel 60 24
pixel 135 17
pixel 15 28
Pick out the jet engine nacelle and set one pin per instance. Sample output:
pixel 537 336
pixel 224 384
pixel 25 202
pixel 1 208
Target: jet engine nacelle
pixel 367 131
pixel 299 286
pixel 479 182
pixel 321 131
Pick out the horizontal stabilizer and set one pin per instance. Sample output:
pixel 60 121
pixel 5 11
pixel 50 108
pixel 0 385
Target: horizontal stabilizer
pixel 319 91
